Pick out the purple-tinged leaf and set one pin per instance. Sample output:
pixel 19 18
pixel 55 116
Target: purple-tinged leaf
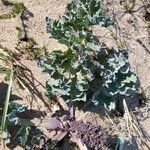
pixel 52 123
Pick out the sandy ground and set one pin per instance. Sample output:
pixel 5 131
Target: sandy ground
pixel 130 30
pixel 36 26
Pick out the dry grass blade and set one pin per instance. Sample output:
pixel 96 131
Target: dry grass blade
pixel 133 125
pixel 62 103
pixel 23 85
pixel 128 119
pixel 78 142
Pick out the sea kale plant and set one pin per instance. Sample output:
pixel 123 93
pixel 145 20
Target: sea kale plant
pixel 88 70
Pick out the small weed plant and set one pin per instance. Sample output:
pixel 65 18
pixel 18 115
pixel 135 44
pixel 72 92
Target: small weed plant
pixel 17 9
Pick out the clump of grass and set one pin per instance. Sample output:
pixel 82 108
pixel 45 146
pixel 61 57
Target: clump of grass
pixel 12 68
pixel 28 46
pixel 24 49
pixel 20 33
pixel 129 5
pixel 17 9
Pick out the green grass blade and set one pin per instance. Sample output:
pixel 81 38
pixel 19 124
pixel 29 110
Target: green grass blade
pixel 6 103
